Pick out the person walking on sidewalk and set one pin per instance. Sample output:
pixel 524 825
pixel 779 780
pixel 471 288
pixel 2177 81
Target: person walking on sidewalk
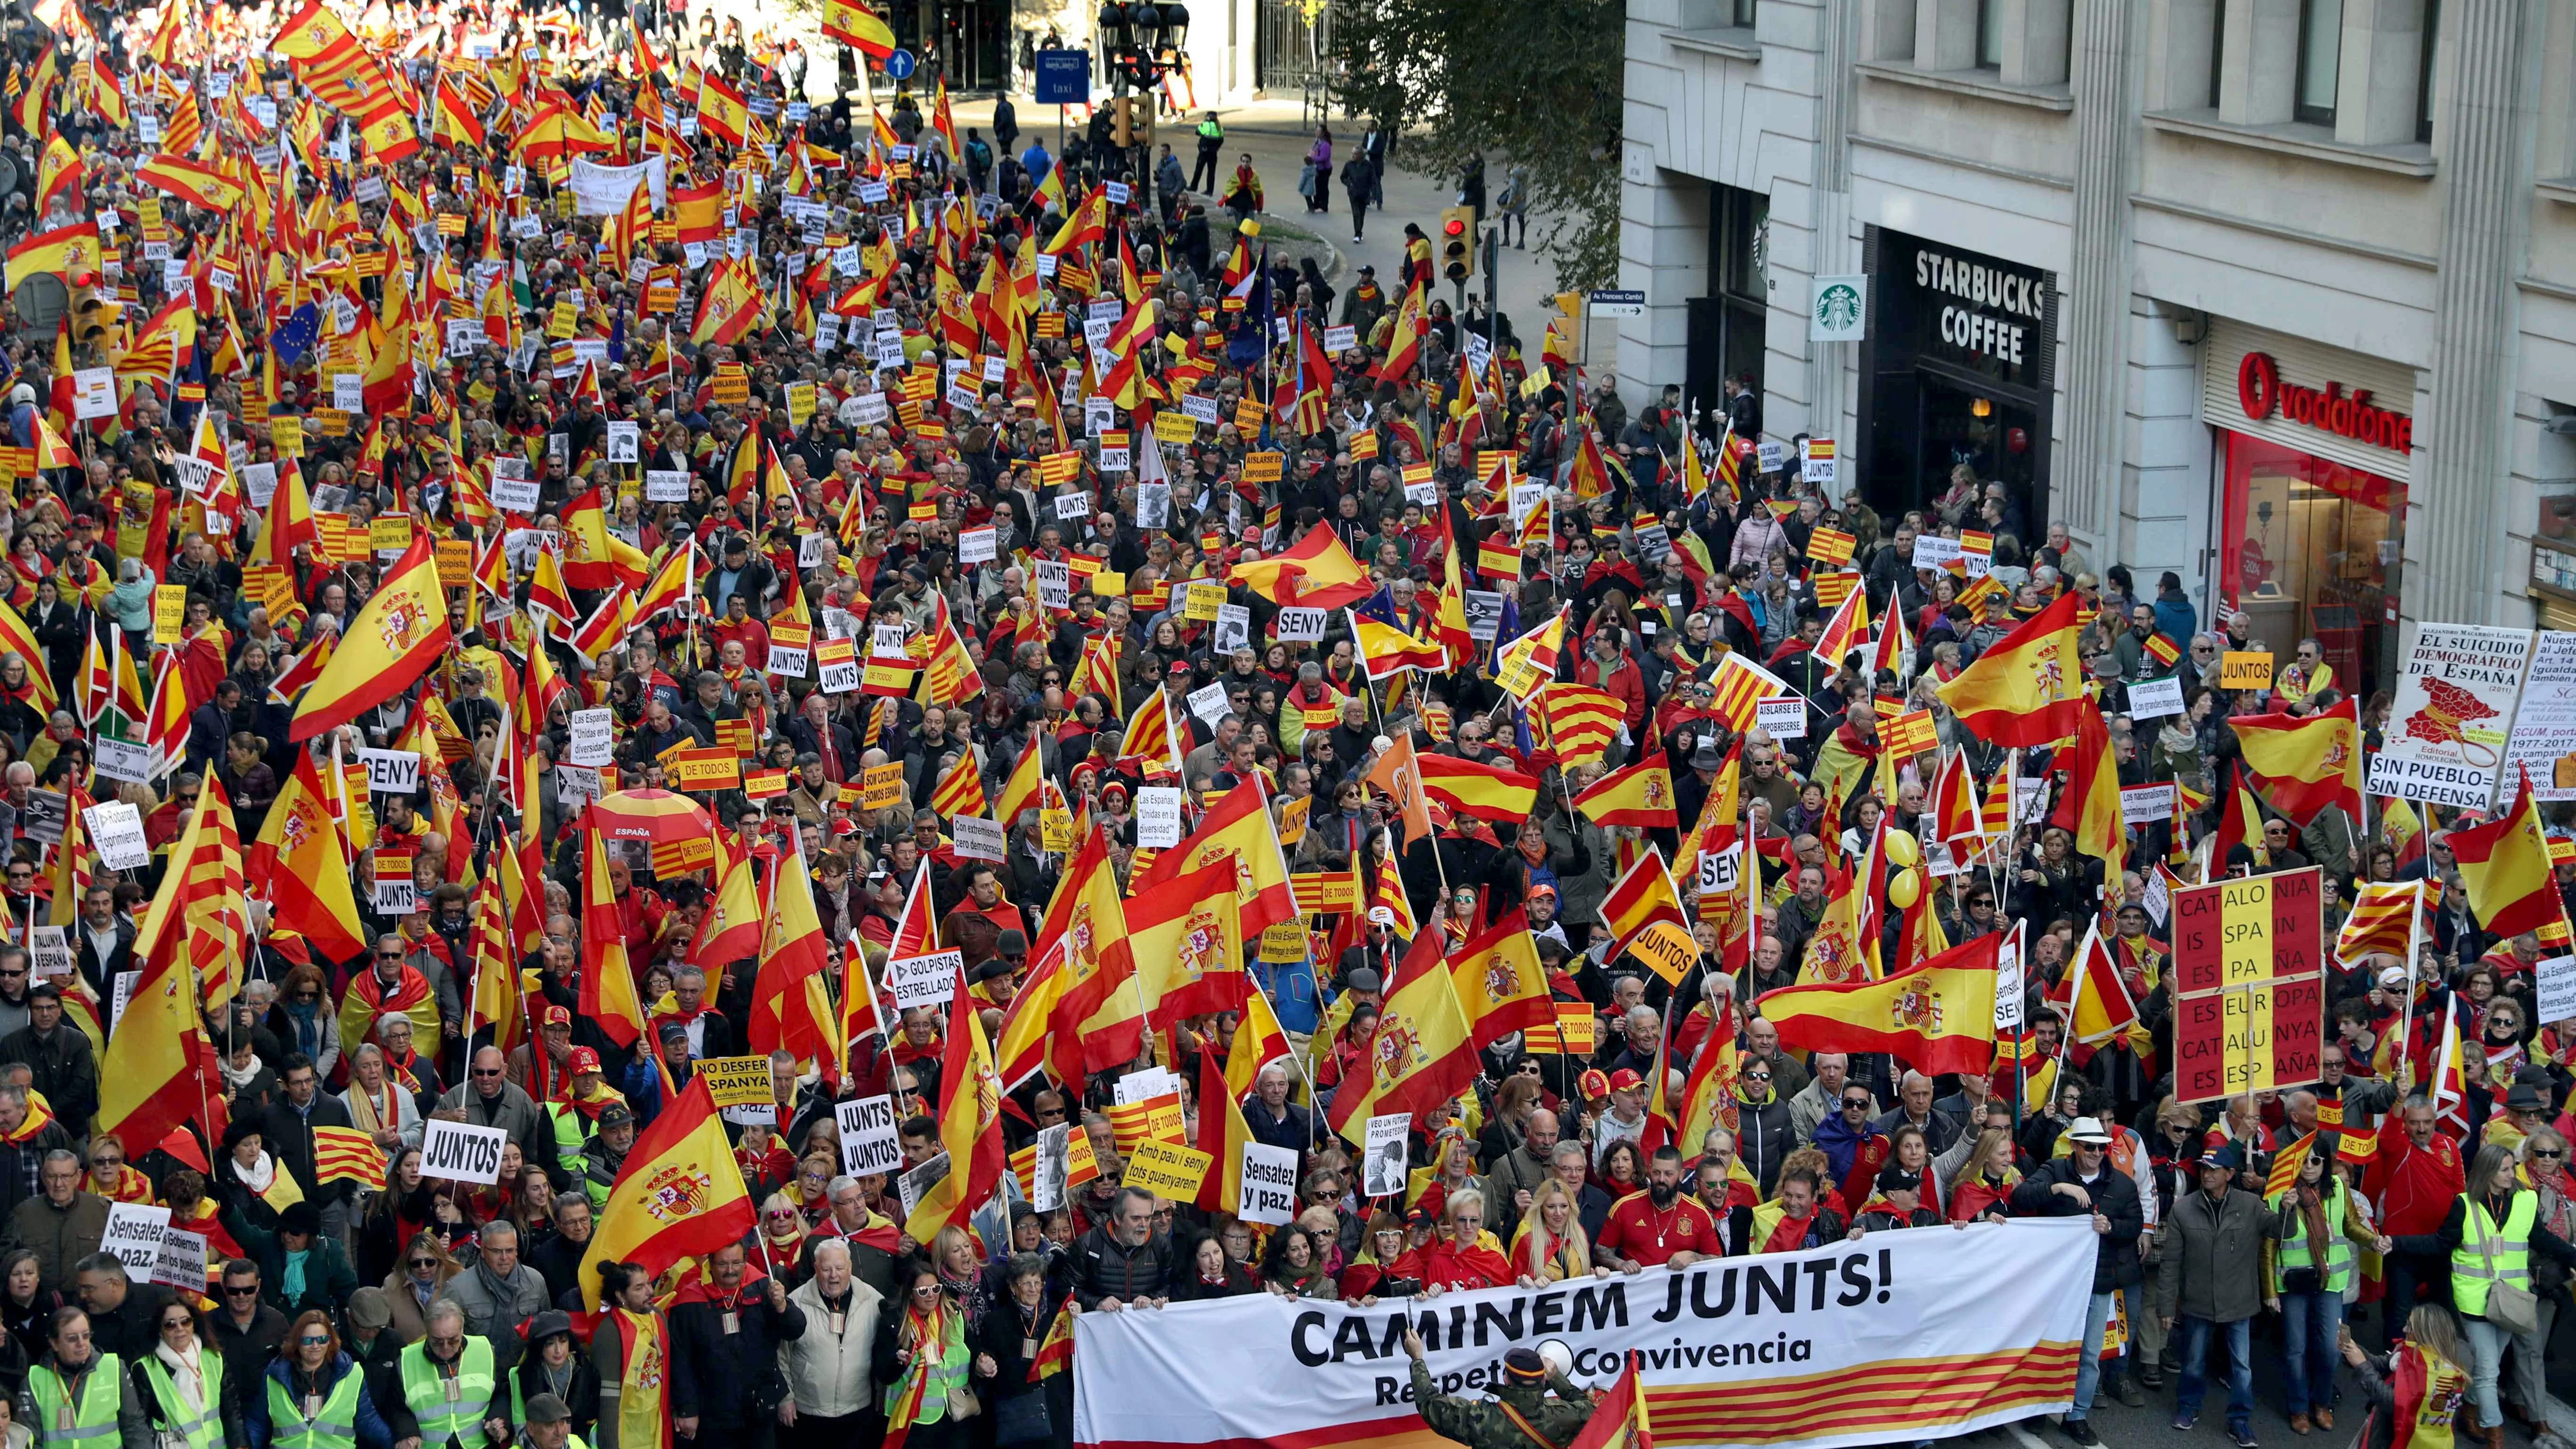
pixel 1359 181
pixel 1211 141
pixel 1318 180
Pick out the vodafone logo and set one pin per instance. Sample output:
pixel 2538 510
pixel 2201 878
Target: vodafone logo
pixel 2262 393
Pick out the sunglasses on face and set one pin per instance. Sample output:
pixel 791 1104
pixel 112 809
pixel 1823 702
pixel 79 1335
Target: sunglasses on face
pixel 244 1291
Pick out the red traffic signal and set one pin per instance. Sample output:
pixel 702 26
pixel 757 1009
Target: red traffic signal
pixel 1455 227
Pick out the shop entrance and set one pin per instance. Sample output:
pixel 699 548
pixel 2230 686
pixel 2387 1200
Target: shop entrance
pixel 2312 548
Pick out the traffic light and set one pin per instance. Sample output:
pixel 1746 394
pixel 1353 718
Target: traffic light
pixel 94 308
pixel 1121 127
pixel 1131 122
pixel 1458 242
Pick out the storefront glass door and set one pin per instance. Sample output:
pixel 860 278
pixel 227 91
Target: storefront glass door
pixel 2311 548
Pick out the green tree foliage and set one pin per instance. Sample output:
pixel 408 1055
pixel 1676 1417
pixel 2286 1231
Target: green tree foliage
pixel 1529 82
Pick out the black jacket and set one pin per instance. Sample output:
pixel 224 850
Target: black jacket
pixel 1103 1267
pixel 726 1380
pixel 2115 1253
pixel 60 1062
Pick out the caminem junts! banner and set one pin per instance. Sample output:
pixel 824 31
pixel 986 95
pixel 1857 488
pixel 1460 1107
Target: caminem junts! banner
pixel 1904 1335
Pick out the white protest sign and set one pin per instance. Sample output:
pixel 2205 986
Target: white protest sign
pixel 134 1236
pixel 2155 698
pixel 1786 719
pixel 462 1152
pixel 2143 804
pixel 1055 1162
pixel 924 980
pixel 2008 985
pixel 1233 627
pixel 126 760
pixel 93 393
pixel 1158 816
pixel 2446 751
pixel 1484 614
pixel 577 785
pixel 181 1263
pixel 1298 625
pixel 119 995
pixel 1144 1084
pixel 49 951
pixel 625 442
pixel 976 838
pixel 2554 988
pixel 2544 725
pixel 391 772
pixel 1055 583
pixel 594 741
pixel 1073 505
pixel 515 495
pixel 978 545
pixel 1269 1184
pixel 1387 1167
pixel 1936 553
pixel 1208 703
pixel 116 833
pixel 870 1140
pixel 916 1183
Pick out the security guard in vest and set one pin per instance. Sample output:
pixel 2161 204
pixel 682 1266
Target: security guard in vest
pixel 2313 1257
pixel 453 1395
pixel 82 1397
pixel 315 1396
pixel 549 1425
pixel 2490 1234
pixel 576 1115
pixel 180 1384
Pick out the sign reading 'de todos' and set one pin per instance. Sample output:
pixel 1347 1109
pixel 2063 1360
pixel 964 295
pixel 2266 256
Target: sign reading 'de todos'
pixel 462 1151
pixel 1728 1350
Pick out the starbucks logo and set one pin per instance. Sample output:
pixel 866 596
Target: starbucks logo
pixel 1838 307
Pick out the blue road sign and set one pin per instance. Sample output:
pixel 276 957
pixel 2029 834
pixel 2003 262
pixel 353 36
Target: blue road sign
pixel 900 64
pixel 1064 77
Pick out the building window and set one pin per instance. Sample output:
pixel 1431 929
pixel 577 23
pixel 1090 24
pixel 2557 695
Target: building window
pixel 1990 34
pixel 1743 14
pixel 2217 49
pixel 2424 72
pixel 2320 58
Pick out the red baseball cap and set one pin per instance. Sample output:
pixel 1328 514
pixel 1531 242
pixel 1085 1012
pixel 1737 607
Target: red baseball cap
pixel 555 1016
pixel 1595 1085
pixel 586 1060
pixel 1622 1080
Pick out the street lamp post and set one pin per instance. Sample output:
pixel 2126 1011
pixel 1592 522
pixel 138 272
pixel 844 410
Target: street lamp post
pixel 1140 44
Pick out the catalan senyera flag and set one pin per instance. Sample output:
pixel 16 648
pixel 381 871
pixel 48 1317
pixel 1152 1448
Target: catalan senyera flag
pixel 345 1154
pixel 1940 1016
pixel 1432 1054
pixel 2027 688
pixel 395 639
pixel 970 1120
pixel 16 638
pixel 1487 792
pixel 1501 986
pixel 2383 922
pixel 1640 795
pixel 2301 766
pixel 1316 572
pixel 961 790
pixel 2504 863
pixel 1580 721
pixel 1847 630
pixel 1741 685
pixel 1644 914
pixel 679 1195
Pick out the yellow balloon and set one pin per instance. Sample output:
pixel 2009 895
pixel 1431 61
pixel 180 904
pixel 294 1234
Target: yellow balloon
pixel 1903 888
pixel 1902 850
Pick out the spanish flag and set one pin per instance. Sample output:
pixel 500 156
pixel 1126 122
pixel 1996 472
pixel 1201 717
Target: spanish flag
pixel 395 639
pixel 1431 1054
pixel 1640 795
pixel 1501 986
pixel 303 857
pixel 1385 649
pixel 970 1119
pixel 1020 792
pixel 2304 765
pixel 1619 1418
pixel 731 307
pixel 679 1195
pixel 2091 805
pixel 1098 1022
pixel 1222 1130
pixel 1239 831
pixel 1644 914
pixel 153 1074
pixel 859 28
pixel 2504 863
pixel 1187 940
pixel 1314 573
pixel 607 982
pixel 63 251
pixel 1940 1016
pixel 2027 689
pixel 791 1010
pixel 595 558
pixel 1487 792
pixel 721 112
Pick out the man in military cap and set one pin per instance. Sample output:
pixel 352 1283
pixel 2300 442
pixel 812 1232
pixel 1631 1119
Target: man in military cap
pixel 1522 1415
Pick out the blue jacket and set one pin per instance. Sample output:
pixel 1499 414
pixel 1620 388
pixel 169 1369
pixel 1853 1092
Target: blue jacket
pixel 372 1431
pixel 2175 617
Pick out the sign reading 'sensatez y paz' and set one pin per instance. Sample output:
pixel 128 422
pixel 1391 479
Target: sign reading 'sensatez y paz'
pixel 1877 1319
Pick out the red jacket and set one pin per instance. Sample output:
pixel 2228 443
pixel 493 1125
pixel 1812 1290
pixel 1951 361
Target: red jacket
pixel 1623 680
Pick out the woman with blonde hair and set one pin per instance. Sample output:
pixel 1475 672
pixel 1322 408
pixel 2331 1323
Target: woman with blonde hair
pixel 2415 1389
pixel 1985 1183
pixel 1549 1246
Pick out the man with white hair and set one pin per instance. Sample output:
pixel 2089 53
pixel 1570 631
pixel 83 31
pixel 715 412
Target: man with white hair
pixel 1275 1121
pixel 830 1383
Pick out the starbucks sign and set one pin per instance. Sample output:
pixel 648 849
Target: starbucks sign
pixel 1840 311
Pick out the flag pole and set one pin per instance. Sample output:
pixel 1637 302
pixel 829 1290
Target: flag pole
pixel 2406 1013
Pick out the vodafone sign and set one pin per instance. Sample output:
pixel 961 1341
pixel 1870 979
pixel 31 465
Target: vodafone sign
pixel 2262 394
